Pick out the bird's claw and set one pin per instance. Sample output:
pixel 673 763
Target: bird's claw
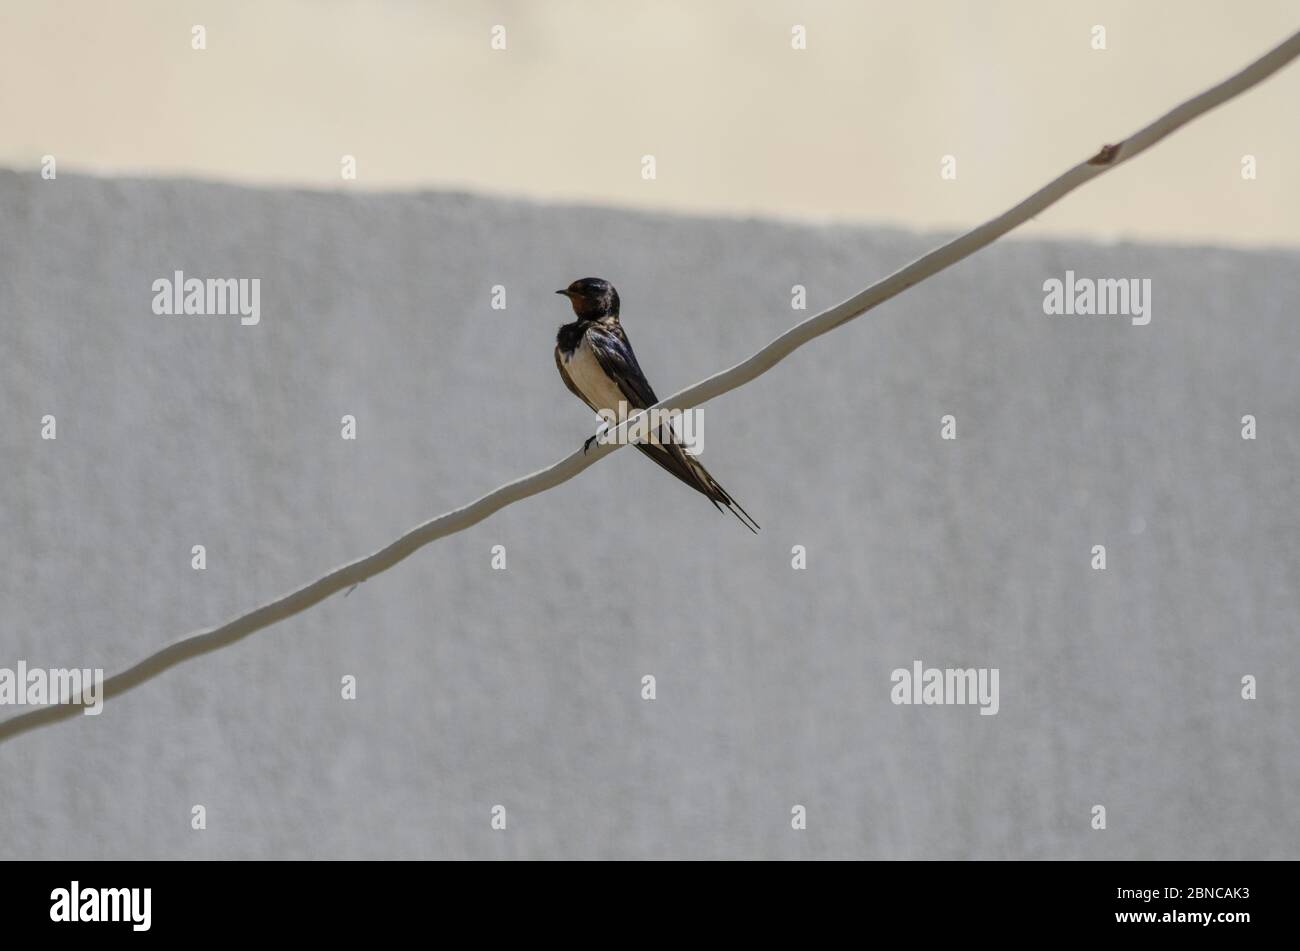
pixel 587 445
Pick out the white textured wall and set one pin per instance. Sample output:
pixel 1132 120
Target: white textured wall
pixel 521 687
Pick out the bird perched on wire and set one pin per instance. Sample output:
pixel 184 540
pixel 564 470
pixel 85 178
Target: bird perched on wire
pixel 596 362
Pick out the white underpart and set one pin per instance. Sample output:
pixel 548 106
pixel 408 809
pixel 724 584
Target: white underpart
pixel 592 382
pixel 585 372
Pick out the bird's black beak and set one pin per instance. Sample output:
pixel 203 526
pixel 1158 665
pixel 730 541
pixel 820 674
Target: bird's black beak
pixel 565 292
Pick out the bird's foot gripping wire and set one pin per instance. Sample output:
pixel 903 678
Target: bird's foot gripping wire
pixel 604 427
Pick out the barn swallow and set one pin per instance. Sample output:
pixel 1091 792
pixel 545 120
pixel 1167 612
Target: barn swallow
pixel 596 362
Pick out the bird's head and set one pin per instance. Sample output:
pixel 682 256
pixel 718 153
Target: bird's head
pixel 592 298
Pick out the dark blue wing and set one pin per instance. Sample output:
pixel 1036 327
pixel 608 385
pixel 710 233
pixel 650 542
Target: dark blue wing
pixel 613 352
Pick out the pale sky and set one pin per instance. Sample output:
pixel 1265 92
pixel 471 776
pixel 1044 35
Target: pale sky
pixel 853 128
